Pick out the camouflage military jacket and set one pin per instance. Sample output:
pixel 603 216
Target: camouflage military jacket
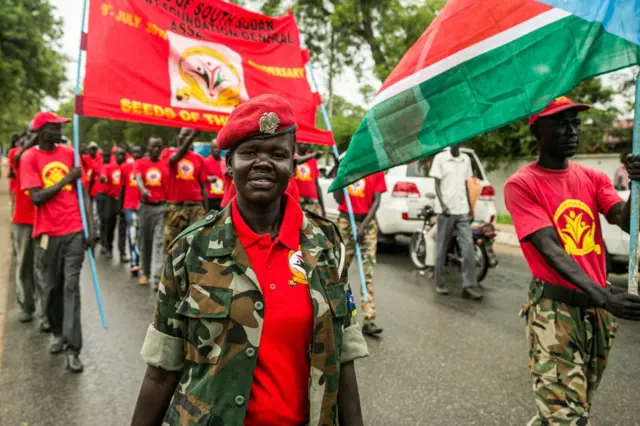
pixel 209 315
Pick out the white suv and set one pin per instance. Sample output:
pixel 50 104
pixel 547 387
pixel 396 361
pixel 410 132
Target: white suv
pixel 407 189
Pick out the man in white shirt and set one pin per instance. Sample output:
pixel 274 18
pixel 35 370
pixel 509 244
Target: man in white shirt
pixel 451 171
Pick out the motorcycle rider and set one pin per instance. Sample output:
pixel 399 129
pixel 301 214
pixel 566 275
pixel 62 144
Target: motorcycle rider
pixel 451 171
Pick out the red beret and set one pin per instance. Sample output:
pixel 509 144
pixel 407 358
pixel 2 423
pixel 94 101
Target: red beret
pixel 262 117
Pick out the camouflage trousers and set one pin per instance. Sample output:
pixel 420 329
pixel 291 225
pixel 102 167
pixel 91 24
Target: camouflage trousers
pixel 568 351
pixel 176 219
pixel 311 205
pixel 368 250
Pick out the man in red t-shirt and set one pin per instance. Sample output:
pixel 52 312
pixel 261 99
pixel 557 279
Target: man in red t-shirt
pixel 306 177
pixel 110 177
pixel 151 175
pixel 21 231
pixel 131 199
pixel 555 206
pixel 215 178
pixel 365 200
pixel 48 173
pixel 187 199
pixel 236 284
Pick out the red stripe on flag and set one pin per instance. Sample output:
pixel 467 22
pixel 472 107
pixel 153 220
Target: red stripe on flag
pixel 83 41
pixel 463 23
pixel 79 109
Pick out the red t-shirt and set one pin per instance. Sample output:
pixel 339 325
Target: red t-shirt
pixel 212 168
pixel 185 177
pixel 87 164
pixel 112 173
pixel 230 191
pixel 42 169
pixel 306 177
pixel 131 193
pixel 279 393
pixel 13 182
pixel 154 176
pixel 96 168
pixel 361 193
pixel 570 202
pixel 24 212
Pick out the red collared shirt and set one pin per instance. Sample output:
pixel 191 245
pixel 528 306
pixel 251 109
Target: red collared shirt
pixel 279 393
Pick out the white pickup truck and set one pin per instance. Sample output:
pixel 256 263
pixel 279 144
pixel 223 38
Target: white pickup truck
pixel 407 189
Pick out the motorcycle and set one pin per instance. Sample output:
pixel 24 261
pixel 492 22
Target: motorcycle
pixel 483 237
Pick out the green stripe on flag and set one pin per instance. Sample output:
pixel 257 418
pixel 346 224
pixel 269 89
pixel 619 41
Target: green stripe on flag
pixel 482 94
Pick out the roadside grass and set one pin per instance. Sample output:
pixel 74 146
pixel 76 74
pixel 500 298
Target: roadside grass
pixel 504 219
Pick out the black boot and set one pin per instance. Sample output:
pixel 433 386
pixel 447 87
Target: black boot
pixel 371 328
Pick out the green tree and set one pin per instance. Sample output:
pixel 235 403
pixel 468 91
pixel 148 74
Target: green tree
pixel 31 65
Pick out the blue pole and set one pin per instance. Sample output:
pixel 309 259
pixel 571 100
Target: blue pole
pixel 352 220
pixel 79 187
pixel 634 251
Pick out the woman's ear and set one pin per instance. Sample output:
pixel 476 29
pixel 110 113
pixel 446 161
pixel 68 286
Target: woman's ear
pixel 230 163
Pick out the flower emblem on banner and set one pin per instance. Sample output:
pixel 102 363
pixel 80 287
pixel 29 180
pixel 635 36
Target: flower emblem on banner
pixel 577 226
pixel 205 75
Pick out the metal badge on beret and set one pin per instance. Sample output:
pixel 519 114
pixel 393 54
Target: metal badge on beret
pixel 269 123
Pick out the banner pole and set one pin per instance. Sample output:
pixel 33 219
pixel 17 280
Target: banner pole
pixel 352 220
pixel 634 244
pixel 79 184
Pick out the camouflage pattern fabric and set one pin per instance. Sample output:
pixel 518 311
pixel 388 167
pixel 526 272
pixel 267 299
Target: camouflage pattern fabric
pixel 568 352
pixel 209 315
pixel 368 249
pixel 177 218
pixel 311 205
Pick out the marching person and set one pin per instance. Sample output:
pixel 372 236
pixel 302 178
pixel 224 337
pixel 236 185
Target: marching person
pixel 151 178
pixel 215 177
pixel 130 197
pixel 187 199
pixel 94 186
pixel 365 197
pixel 48 173
pixel 256 326
pixel 11 174
pixel 112 216
pixel 306 177
pixel 555 205
pixel 451 171
pixel 21 231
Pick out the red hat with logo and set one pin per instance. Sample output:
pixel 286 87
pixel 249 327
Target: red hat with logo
pixel 43 118
pixel 557 105
pixel 262 117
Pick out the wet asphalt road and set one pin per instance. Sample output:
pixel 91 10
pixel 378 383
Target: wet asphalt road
pixel 441 360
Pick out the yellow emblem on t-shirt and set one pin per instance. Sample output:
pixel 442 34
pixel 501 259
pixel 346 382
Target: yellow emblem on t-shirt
pixel 356 189
pixel 185 170
pixel 303 172
pixel 576 226
pixel 53 173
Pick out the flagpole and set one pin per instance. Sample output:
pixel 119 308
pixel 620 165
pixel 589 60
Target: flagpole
pixel 634 249
pixel 79 183
pixel 336 154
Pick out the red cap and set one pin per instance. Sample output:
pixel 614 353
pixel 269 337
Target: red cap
pixel 262 117
pixel 43 118
pixel 555 106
